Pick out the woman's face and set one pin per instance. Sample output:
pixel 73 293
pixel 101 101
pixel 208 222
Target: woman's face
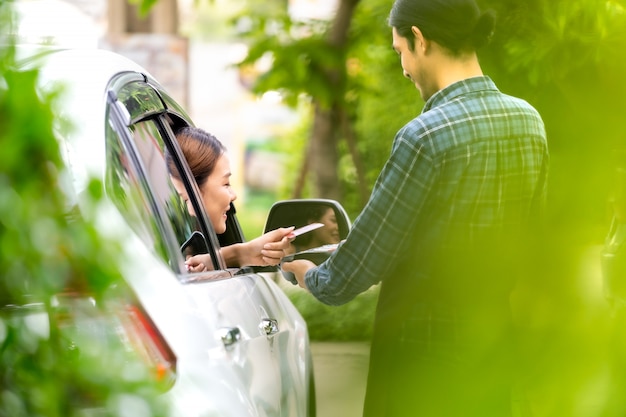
pixel 330 232
pixel 216 194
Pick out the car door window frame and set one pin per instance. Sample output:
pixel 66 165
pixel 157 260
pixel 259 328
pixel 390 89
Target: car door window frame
pixel 193 192
pixel 121 120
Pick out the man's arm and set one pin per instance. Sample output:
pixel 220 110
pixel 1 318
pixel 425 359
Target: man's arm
pixel 380 234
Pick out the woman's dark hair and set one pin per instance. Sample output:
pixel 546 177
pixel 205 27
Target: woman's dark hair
pixel 200 149
pixel 457 25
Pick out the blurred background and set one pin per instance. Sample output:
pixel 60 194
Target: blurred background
pixel 307 95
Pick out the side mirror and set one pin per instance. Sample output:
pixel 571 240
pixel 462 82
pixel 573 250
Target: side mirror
pixel 194 245
pixel 300 212
pixel 317 245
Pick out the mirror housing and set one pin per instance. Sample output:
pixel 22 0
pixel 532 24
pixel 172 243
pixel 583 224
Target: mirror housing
pixel 298 213
pixel 286 213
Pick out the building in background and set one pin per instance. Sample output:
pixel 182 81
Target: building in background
pixel 152 41
pixel 200 73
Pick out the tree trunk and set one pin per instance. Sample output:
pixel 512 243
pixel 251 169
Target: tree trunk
pixel 327 128
pixel 351 139
pixel 298 189
pixel 324 157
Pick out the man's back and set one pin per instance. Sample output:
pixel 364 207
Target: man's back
pixel 444 310
pixel 489 161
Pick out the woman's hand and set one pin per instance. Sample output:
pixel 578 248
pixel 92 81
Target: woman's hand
pixel 199 263
pixel 267 249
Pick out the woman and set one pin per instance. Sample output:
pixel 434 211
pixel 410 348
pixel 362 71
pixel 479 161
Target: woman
pixel 210 166
pixel 329 234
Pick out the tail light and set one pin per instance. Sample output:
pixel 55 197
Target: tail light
pixel 146 339
pixel 120 319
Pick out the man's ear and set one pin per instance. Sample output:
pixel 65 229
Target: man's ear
pixel 419 41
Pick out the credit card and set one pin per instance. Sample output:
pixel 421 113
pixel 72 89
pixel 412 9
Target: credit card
pixel 305 229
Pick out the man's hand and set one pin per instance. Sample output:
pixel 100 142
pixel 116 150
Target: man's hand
pixel 298 268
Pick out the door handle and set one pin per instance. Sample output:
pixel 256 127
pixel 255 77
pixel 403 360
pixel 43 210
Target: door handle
pixel 268 327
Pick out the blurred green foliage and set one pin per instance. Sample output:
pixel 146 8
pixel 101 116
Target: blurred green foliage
pixel 47 368
pixel 564 57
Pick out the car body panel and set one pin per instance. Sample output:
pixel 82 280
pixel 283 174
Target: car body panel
pixel 258 374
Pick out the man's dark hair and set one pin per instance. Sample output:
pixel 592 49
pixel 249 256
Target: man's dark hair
pixel 457 25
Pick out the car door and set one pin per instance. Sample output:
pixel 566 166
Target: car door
pixel 243 315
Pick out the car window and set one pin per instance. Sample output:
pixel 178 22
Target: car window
pixel 173 107
pixel 151 149
pixel 140 99
pixel 123 184
pixel 152 206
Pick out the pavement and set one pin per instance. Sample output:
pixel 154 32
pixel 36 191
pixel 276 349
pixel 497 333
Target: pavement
pixel 340 377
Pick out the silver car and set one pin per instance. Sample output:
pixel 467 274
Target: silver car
pixel 228 341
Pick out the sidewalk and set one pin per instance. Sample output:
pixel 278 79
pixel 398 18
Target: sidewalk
pixel 340 377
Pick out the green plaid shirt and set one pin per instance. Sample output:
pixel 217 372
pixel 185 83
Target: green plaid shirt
pixel 474 161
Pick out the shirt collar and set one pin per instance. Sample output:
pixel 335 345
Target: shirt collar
pixel 479 83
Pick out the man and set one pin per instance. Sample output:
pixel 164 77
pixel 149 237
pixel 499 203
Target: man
pixel 447 227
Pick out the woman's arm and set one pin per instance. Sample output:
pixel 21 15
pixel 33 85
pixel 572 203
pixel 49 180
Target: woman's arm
pixel 256 253
pixel 250 253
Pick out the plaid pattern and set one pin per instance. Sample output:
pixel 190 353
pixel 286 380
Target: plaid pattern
pixel 474 161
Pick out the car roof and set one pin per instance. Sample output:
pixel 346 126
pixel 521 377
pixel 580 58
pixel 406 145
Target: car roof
pixel 83 75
